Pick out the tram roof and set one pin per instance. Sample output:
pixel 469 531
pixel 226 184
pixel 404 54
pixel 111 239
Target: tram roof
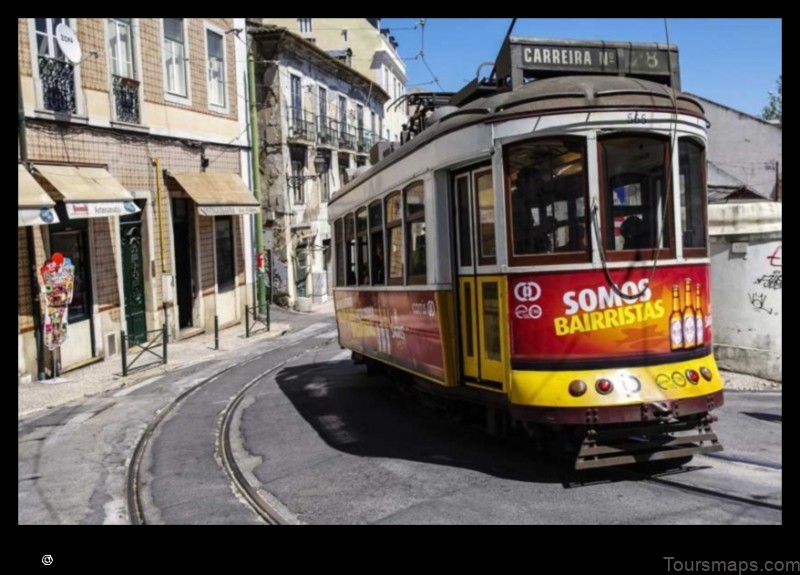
pixel 562 94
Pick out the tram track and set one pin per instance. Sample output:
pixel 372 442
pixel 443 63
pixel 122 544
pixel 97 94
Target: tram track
pixel 136 509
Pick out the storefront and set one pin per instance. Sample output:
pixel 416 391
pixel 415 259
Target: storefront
pixel 86 230
pixel 209 246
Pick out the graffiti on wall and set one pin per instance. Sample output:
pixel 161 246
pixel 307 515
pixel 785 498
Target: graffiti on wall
pixel 768 283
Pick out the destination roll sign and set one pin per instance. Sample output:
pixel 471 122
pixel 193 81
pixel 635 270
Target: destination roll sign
pixel 525 58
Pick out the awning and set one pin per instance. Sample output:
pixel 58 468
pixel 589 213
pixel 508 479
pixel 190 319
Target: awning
pixel 87 192
pixel 35 207
pixel 218 194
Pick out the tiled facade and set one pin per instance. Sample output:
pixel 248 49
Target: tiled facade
pixel 128 154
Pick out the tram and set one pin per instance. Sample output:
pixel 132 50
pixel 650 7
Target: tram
pixel 537 246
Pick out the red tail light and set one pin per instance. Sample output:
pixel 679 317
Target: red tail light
pixel 604 386
pixel 692 376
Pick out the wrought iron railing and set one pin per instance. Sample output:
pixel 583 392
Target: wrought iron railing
pixel 347 135
pixel 365 139
pixel 327 131
pixel 58 84
pixel 126 99
pixel 160 340
pixel 301 125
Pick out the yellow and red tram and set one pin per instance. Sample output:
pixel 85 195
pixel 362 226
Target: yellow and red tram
pixel 540 247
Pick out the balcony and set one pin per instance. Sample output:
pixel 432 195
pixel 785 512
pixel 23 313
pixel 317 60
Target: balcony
pixel 347 135
pixel 126 99
pixel 58 85
pixel 327 132
pixel 301 126
pixel 365 139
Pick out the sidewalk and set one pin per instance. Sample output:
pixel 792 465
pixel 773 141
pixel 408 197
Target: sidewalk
pixel 107 374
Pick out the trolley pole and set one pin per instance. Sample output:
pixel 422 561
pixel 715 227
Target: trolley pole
pixel 254 154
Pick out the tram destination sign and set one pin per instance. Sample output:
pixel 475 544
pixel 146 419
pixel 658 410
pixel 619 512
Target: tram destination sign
pixel 525 58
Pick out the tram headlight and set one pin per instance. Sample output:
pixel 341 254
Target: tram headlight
pixel 706 373
pixel 604 386
pixel 577 388
pixel 692 376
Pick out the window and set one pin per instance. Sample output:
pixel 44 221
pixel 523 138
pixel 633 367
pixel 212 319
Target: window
pixel 548 198
pixel 634 194
pixel 216 68
pixel 305 25
pixel 223 236
pixel 297 102
pixel 323 104
pixel 57 76
pixel 693 197
pixel 344 164
pixel 362 247
pixel 338 233
pixel 125 86
pixel 350 249
pixel 394 232
pixel 120 47
pixel 297 157
pixel 464 218
pixel 324 176
pixel 415 233
pixel 484 197
pixel 376 243
pixel 175 57
pixel 342 116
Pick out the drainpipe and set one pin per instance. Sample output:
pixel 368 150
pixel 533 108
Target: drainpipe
pixel 255 152
pixel 160 209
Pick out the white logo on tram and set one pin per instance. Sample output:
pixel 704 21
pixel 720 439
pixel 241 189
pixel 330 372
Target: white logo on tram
pixel 526 312
pixel 527 291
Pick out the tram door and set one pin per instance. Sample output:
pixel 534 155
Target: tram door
pixel 481 297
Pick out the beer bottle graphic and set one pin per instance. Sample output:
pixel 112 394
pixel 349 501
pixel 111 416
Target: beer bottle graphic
pixel 688 316
pixel 699 330
pixel 676 321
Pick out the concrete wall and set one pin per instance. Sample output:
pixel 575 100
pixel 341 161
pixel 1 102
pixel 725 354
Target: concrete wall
pixel 744 146
pixel 747 280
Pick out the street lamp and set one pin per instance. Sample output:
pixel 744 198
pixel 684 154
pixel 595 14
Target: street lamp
pixel 320 166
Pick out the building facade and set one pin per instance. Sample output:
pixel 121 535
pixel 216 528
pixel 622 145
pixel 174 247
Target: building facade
pixel 141 144
pixel 368 49
pixel 318 118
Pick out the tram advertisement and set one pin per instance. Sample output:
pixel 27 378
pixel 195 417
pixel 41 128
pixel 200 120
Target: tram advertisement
pixel 398 327
pixel 578 314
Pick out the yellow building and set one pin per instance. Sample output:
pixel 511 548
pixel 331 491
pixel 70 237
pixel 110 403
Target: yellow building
pixel 368 49
pixel 138 145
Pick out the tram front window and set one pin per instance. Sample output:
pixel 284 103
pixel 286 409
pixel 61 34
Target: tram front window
pixel 548 198
pixel 634 193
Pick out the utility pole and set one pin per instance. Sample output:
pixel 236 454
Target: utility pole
pixel 255 153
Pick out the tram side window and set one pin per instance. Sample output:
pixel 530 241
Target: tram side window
pixel 394 233
pixel 548 197
pixel 693 197
pixel 634 193
pixel 338 232
pixel 350 249
pixel 376 243
pixel 362 247
pixel 415 233
pixel 484 198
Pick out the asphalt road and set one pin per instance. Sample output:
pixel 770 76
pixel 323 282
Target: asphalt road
pixel 327 444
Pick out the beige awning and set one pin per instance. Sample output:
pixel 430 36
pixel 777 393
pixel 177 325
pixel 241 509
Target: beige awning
pixel 218 194
pixel 87 192
pixel 34 206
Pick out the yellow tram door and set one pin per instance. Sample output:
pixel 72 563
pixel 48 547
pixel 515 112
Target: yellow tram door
pixel 481 298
